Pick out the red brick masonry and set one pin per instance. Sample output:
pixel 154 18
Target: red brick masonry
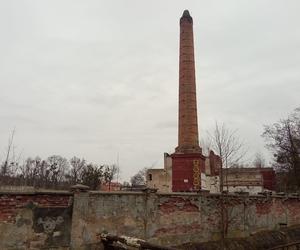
pixel 188 141
pixel 12 203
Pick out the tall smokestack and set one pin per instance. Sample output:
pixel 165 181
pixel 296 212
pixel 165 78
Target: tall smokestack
pixel 188 141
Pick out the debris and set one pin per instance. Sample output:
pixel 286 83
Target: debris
pixel 123 242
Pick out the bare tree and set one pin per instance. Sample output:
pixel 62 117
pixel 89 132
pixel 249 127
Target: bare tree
pixel 226 143
pixel 259 160
pixel 31 173
pixel 48 173
pixel 110 173
pixel 6 164
pixel 283 140
pixel 58 168
pixel 55 172
pixel 139 178
pixel 10 166
pixel 92 176
pixel 77 167
pixel 206 145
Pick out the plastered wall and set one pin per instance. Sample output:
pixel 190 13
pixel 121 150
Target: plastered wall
pixel 172 219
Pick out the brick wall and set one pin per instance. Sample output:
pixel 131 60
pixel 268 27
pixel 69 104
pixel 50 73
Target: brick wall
pixel 33 220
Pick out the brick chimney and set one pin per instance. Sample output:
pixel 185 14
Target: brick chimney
pixel 187 162
pixel 188 141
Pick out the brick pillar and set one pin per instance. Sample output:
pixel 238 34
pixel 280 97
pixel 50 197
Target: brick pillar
pixel 188 141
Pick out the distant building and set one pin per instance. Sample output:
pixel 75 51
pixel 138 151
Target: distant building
pixel 161 179
pixel 252 180
pixel 210 179
pixel 113 186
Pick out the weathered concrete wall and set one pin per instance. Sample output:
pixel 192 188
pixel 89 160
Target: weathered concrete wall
pixel 172 219
pixel 47 220
pixel 211 183
pixel 35 220
pixel 161 179
pixel 116 213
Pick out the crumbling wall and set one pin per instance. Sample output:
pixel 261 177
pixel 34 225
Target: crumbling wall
pixel 114 212
pixel 159 179
pixel 176 218
pixel 48 220
pixel 35 220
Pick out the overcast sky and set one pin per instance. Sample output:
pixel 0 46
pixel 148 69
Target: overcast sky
pixel 96 79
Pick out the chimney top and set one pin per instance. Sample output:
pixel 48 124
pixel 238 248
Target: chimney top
pixel 186 15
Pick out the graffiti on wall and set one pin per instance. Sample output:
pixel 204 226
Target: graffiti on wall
pixel 55 223
pixel 196 174
pixel 50 223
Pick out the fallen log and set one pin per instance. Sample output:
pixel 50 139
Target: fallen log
pixel 123 242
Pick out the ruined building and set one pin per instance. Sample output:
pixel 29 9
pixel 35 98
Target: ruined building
pixel 252 180
pixel 187 169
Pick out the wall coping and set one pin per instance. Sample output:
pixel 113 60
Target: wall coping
pixel 200 194
pixel 170 194
pixel 36 192
pixel 285 196
pixel 208 194
pixel 117 192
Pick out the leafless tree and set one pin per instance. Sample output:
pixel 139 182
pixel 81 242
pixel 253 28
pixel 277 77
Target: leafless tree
pixel 31 173
pixel 139 178
pixel 206 145
pixel 58 167
pixel 283 140
pixel 226 143
pixel 259 160
pixel 110 173
pixel 10 166
pixel 5 167
pixel 56 172
pixel 92 176
pixel 48 173
pixel 77 167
